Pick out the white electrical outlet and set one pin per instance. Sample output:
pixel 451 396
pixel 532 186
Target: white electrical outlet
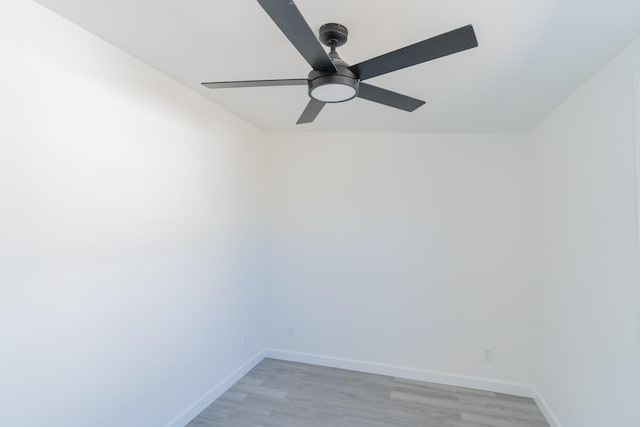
pixel 488 354
pixel 292 331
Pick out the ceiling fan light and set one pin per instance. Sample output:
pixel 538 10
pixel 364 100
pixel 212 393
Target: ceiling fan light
pixel 332 88
pixel 334 92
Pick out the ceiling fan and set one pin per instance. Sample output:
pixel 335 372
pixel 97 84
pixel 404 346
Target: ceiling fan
pixel 331 79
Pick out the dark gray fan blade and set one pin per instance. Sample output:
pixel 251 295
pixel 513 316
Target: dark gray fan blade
pixel 311 111
pixel 387 97
pixel 291 22
pixel 255 83
pixel 436 47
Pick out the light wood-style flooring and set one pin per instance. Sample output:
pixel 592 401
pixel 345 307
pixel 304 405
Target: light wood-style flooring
pixel 286 394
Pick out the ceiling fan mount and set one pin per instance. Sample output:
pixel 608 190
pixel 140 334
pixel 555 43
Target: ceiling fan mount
pixel 331 79
pixel 333 35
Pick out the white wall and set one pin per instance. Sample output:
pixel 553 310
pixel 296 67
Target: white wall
pixel 131 233
pixel 587 306
pixel 404 249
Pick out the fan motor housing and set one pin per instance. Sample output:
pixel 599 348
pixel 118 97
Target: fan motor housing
pixel 343 76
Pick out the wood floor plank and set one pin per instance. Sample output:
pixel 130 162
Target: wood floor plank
pixel 287 394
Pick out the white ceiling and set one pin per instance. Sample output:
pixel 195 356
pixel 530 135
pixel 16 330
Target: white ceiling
pixel 531 55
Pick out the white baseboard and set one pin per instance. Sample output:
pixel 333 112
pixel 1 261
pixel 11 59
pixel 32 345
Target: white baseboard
pixel 546 410
pixel 189 413
pixel 516 389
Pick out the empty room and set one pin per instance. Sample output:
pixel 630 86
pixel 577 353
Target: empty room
pixel 319 213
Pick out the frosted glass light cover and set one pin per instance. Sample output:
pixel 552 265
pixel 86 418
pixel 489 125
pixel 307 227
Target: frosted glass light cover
pixel 333 93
